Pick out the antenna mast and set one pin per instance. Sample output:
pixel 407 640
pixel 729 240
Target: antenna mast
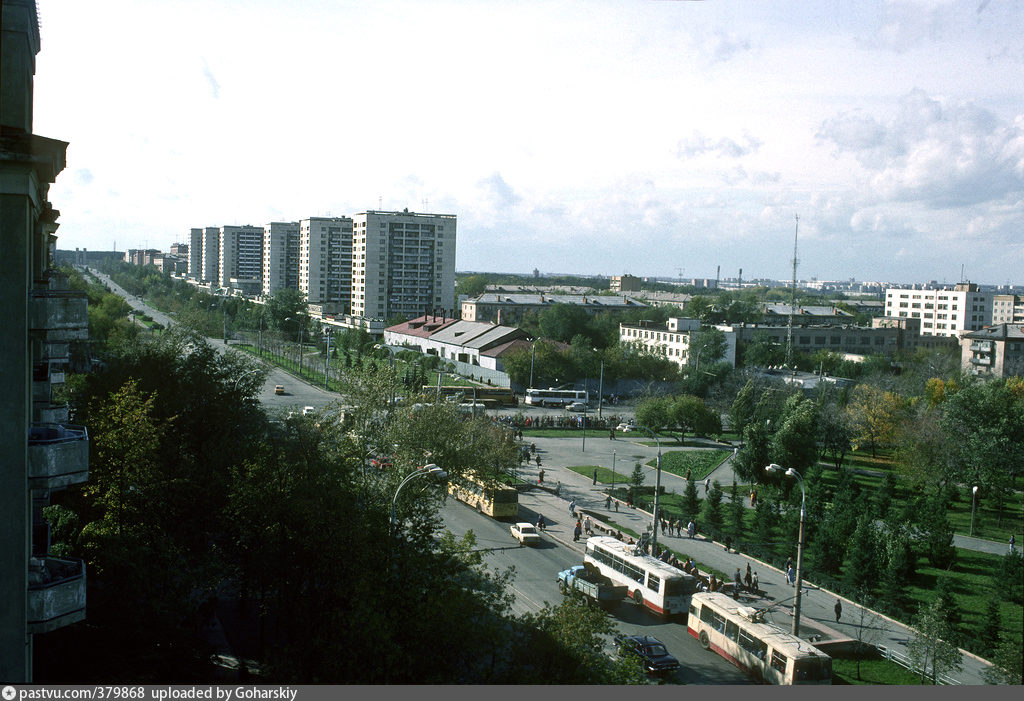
pixel 792 300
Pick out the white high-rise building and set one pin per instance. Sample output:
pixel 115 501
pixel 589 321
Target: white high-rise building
pixel 943 312
pixel 211 254
pixel 403 264
pixel 241 254
pixel 280 256
pixel 325 261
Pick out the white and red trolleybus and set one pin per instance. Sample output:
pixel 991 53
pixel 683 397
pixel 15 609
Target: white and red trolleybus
pixel 652 583
pixel 765 651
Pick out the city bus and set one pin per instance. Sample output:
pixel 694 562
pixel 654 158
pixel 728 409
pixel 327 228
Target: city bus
pixel 555 397
pixel 490 397
pixel 763 650
pixel 657 585
pixel 488 496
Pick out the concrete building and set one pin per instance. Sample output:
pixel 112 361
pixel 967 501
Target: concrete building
pixel 625 283
pixel 195 254
pixel 240 254
pixel 40 452
pixel 476 343
pixel 1007 309
pixel 805 315
pixel 942 311
pixel 211 255
pixel 280 257
pixel 510 308
pixel 674 339
pixel 325 262
pixel 996 351
pixel 403 263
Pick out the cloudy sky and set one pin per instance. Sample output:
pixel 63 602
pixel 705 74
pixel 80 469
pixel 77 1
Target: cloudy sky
pixel 650 137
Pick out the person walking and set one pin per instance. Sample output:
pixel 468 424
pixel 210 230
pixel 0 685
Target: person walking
pixel 791 575
pixel 736 583
pixel 540 477
pixel 572 508
pixel 839 610
pixel 746 577
pixel 753 585
pixel 538 459
pixel 595 475
pixel 540 522
pixel 608 502
pixel 707 484
pixel 611 434
pixel 690 528
pixel 587 528
pixel 689 475
pixel 576 532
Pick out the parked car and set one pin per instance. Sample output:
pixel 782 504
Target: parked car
pixel 625 428
pixel 651 652
pixel 576 406
pixel 278 389
pixel 525 533
pixel 307 410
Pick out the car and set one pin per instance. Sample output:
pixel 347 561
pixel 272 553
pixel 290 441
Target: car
pixel 278 389
pixel 525 533
pixel 651 652
pixel 307 410
pixel 576 406
pixel 625 428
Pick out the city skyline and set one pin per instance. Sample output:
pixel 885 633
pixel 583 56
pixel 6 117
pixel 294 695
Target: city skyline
pixel 652 138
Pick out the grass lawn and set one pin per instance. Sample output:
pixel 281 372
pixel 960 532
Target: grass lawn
pixel 700 462
pixel 872 672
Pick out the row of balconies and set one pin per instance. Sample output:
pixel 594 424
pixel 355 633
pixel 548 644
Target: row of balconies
pixel 62 314
pixel 982 346
pixel 981 360
pixel 56 593
pixel 58 454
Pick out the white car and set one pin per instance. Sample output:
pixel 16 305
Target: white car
pixel 625 428
pixel 525 533
pixel 576 406
pixel 307 410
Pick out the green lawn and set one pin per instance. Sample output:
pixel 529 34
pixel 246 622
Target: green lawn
pixel 700 462
pixel 872 672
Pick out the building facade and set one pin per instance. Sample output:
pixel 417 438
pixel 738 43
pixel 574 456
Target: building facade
pixel 280 257
pixel 997 351
pixel 195 254
pixel 674 339
pixel 1007 309
pixel 40 451
pixel 211 255
pixel 403 263
pixel 240 254
pixel 501 308
pixel 325 262
pixel 942 311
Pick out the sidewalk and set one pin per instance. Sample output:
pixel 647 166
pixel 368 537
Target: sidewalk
pixel 817 605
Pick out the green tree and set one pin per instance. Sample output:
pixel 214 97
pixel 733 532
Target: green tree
pixel 708 347
pixel 742 410
pixel 991 623
pixel 637 477
pixel 689 413
pixel 930 647
pixel 762 352
pixel 712 508
pixel 861 563
pixel 736 513
pixel 874 416
pixel 834 432
pixel 1008 662
pixel 691 502
pixel 794 443
pixel 897 568
pixel 563 321
pixel 938 531
pixel 654 413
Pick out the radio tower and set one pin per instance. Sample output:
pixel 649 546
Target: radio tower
pixel 792 301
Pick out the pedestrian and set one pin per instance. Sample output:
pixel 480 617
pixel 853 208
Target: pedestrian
pixel 608 502
pixel 753 585
pixel 736 584
pixel 572 508
pixel 616 506
pixel 611 434
pixel 789 563
pixel 538 460
pixel 746 577
pixel 540 477
pixel 839 610
pixel 587 527
pixel 558 488
pixel 690 529
pixel 576 532
pixel 707 484
pixel 791 575
pixel 753 498
pixel 689 476
pixel 728 544
pixel 533 448
pixel 540 522
pixel 595 475
pixel 1013 541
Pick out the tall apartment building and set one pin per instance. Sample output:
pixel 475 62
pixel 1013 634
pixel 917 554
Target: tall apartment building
pixel 325 261
pixel 403 263
pixel 943 312
pixel 240 255
pixel 40 452
pixel 280 256
pixel 211 254
pixel 195 253
pixel 1007 309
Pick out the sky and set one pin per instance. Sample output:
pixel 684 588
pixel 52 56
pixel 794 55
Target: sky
pixel 661 138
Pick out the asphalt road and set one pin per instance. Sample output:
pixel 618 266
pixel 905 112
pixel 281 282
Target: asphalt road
pixel 536 570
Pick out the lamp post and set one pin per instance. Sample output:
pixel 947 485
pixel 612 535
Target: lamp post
pixel 533 354
pixel 327 358
pixel 974 501
pixel 657 493
pixel 391 364
pixel 429 469
pixel 600 390
pixel 773 469
pixel 301 328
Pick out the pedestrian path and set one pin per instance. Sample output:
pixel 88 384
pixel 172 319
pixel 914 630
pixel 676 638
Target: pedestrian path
pixel 818 617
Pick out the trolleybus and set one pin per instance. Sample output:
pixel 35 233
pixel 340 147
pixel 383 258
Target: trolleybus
pixel 490 397
pixel 488 496
pixel 657 585
pixel 763 650
pixel 555 397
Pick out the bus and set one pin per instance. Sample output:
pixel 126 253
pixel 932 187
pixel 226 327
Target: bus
pixel 488 496
pixel 490 397
pixel 657 585
pixel 763 650
pixel 555 397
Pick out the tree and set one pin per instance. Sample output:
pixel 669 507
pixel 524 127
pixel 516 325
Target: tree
pixel 742 410
pixel 712 508
pixel 861 564
pixel 874 416
pixel 754 455
pixel 834 432
pixel 688 413
pixel 285 308
pixel 867 629
pixel 794 443
pixel 736 512
pixel 938 532
pixel 897 567
pixel 691 502
pixel 654 413
pixel 930 644
pixel 637 477
pixel 563 321
pixel 991 623
pixel 762 352
pixel 708 347
pixel 1008 662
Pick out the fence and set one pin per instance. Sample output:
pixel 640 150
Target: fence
pixel 902 660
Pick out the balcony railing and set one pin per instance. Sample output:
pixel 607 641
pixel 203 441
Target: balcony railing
pixel 58 455
pixel 50 413
pixel 982 346
pixel 56 593
pixel 62 314
pixel 983 360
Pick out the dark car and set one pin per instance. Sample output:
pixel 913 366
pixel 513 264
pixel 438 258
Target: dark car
pixel 649 650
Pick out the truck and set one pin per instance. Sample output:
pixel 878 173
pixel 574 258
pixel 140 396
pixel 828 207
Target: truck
pixel 597 588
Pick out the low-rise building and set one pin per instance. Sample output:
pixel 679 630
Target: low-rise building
pixel 942 311
pixel 510 308
pixel 674 339
pixel 996 351
pixel 472 342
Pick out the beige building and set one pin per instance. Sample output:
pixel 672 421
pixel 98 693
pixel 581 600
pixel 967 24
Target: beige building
pixel 996 351
pixel 674 339
pixel 240 254
pixel 403 264
pixel 625 283
pixel 325 262
pixel 1007 309
pixel 502 308
pixel 280 257
pixel 211 255
pixel 943 312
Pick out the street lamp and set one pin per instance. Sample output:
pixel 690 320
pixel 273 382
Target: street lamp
pixel 429 469
pixel 771 470
pixel 301 329
pixel 533 353
pixel 327 357
pixel 974 501
pixel 657 491
pixel 391 364
pixel 600 390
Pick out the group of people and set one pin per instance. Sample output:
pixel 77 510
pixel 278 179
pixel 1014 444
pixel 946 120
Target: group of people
pixel 674 526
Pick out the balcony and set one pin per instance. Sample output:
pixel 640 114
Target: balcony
pixel 56 593
pixel 50 413
pixel 58 455
pixel 983 360
pixel 62 314
pixel 982 346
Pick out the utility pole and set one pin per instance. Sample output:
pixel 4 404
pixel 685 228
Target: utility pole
pixel 792 301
